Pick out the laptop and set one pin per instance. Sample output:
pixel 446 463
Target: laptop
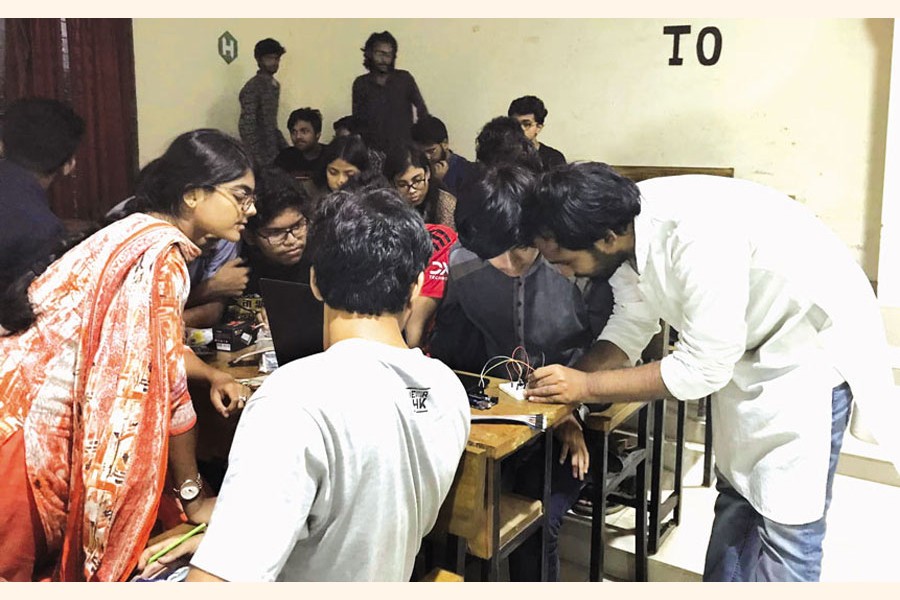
pixel 295 318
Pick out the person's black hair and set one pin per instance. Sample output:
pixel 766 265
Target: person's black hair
pixel 350 148
pixel 41 134
pixel 16 312
pixel 488 216
pixel 528 105
pixel 199 159
pixel 312 116
pixel 429 130
pixel 580 203
pixel 276 191
pixel 368 249
pixel 383 37
pixel 407 155
pixel 350 123
pixel 502 141
pixel 367 180
pixel 267 46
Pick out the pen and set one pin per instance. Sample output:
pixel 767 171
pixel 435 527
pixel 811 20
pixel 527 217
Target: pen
pixel 198 529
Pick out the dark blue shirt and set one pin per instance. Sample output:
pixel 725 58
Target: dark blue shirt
pixel 457 171
pixel 29 230
pixel 550 157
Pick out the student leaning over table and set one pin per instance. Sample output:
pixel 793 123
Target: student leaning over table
pixel 346 456
pixel 93 391
pixel 775 320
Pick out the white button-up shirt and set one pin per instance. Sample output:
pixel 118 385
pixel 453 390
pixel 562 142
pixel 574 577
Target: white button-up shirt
pixel 772 313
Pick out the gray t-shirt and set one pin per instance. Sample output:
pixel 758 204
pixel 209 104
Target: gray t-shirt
pixel 339 466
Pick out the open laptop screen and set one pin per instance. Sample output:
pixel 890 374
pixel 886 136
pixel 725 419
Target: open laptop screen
pixel 295 318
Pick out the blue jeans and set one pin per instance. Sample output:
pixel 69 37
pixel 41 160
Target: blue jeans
pixel 746 546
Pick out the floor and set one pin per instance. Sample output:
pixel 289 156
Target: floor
pixel 860 544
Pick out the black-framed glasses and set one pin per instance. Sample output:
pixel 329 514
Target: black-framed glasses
pixel 279 236
pixel 407 186
pixel 243 197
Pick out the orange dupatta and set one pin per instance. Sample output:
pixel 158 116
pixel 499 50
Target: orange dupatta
pixel 121 400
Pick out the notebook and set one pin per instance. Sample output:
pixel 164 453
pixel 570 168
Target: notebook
pixel 295 318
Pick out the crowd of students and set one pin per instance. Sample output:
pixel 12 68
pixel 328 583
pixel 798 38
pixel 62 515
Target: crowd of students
pixel 341 460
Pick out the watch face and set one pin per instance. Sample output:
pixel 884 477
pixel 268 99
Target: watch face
pixel 189 491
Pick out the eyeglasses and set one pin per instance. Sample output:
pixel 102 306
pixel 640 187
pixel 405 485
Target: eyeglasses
pixel 279 236
pixel 243 197
pixel 416 184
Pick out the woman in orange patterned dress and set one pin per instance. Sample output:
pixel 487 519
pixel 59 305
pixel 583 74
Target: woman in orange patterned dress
pixel 94 407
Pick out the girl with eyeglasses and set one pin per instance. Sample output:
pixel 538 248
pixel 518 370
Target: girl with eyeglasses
pixel 408 170
pixel 95 417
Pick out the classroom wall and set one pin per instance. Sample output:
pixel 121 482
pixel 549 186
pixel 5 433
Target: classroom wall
pixel 799 104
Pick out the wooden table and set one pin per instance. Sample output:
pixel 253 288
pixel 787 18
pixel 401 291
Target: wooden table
pixel 492 523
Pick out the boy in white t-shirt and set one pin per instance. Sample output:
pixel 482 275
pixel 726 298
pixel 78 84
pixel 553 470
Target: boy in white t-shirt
pixel 341 460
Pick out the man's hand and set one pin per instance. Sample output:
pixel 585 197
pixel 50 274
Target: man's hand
pixel 230 280
pixel 572 443
pixel 221 386
pixel 439 169
pixel 186 548
pixel 558 385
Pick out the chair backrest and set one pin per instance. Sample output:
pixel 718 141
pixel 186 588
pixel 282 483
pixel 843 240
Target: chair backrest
pixel 639 172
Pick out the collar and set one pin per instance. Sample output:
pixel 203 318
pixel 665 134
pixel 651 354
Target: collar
pixel 641 238
pixel 16 176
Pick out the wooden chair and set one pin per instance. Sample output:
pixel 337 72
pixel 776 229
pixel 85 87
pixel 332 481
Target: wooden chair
pixel 442 575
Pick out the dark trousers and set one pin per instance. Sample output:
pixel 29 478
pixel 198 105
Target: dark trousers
pixel 523 475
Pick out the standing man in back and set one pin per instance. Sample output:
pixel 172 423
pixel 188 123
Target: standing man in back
pixel 384 98
pixel 258 123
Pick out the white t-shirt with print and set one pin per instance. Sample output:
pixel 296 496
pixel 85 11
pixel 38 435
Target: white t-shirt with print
pixel 338 468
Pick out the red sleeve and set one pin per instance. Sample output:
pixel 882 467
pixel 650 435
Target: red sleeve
pixel 442 239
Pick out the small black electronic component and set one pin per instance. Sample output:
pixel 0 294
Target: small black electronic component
pixel 481 401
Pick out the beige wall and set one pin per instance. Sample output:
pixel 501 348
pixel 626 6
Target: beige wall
pixel 797 104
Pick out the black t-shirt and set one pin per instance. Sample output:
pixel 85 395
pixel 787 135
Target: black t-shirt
pixel 550 157
pixel 261 267
pixel 292 160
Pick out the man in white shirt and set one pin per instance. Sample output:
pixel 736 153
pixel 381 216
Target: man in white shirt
pixel 341 460
pixel 775 320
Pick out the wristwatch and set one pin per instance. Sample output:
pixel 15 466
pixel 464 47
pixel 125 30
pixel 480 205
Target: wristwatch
pixel 581 412
pixel 189 489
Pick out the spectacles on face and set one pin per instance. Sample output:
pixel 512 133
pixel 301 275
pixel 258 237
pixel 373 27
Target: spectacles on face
pixel 407 186
pixel 279 236
pixel 243 197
